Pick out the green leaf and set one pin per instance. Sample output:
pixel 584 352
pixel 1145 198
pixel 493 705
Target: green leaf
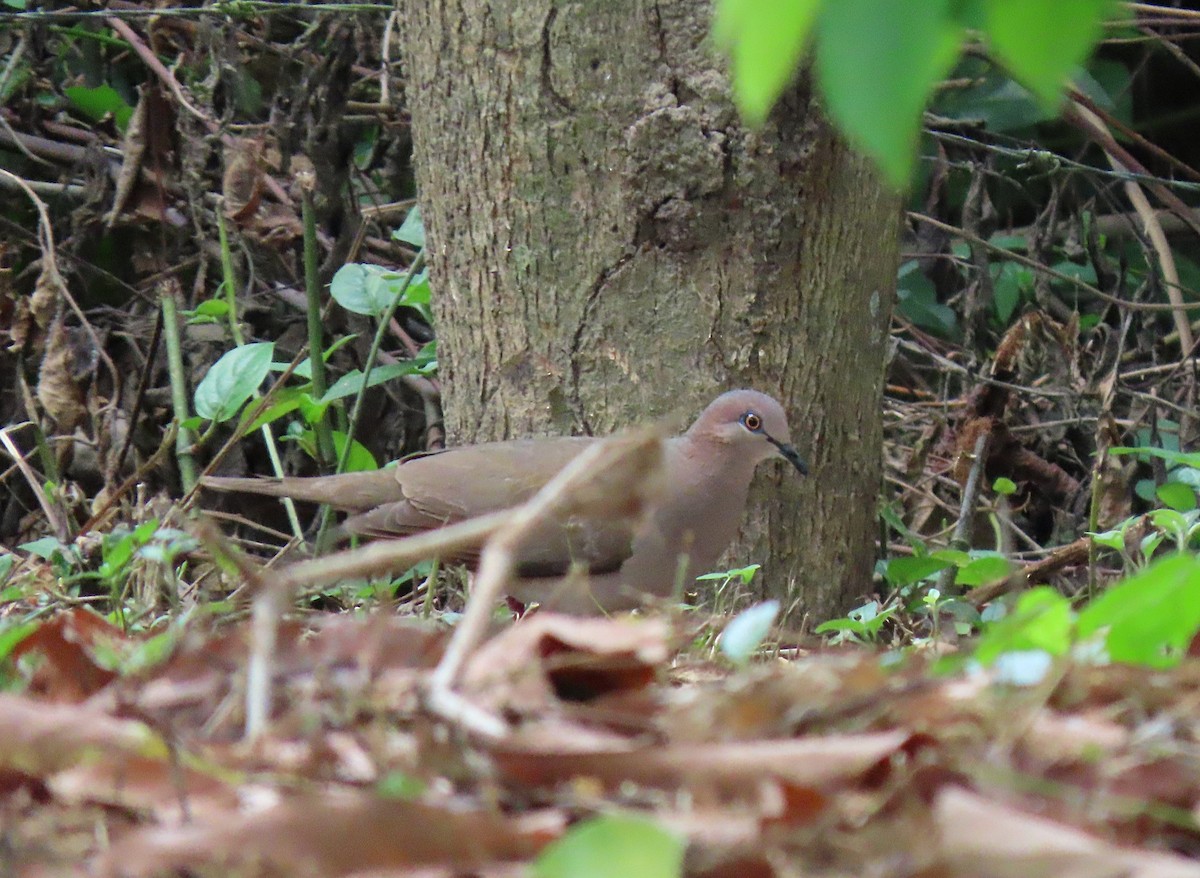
pixel 1004 486
pixel 232 380
pixel 986 95
pixel 765 40
pixel 369 289
pixel 991 568
pixel 1111 539
pixel 610 846
pixel 12 635
pixel 412 230
pixel 208 311
pixel 350 383
pixel 905 571
pixel 359 460
pixel 46 548
pixel 1041 621
pixel 745 574
pixel 96 103
pixel 1188 459
pixel 877 64
pixel 1150 618
pixel 839 625
pixel 1178 496
pixel 285 400
pixel 746 631
pixel 1011 282
pixel 1042 42
pixel 918 301
pixel 399 785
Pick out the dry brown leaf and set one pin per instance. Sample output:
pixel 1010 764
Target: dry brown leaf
pixel 66 641
pixel 41 738
pixel 133 147
pixel 547 656
pixel 985 839
pixel 805 762
pixel 66 371
pixel 1053 737
pixel 174 793
pixel 242 184
pixel 335 834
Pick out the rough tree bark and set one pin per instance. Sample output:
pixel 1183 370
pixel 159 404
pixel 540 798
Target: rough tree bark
pixel 609 244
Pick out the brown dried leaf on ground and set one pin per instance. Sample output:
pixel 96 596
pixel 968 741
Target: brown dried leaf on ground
pixel 985 839
pixel 333 834
pixel 803 762
pixel 67 644
pixel 41 738
pixel 173 793
pixel 547 657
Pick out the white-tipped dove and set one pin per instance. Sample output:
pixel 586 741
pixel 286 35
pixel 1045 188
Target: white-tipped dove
pixel 706 481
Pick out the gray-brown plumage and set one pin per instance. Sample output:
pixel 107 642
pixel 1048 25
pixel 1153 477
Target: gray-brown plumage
pixel 707 477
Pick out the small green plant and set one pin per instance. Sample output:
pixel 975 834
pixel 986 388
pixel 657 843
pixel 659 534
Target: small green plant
pixel 862 624
pixel 230 387
pixel 1148 619
pixel 613 844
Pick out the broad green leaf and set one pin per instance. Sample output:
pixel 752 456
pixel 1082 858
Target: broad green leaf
pixel 745 632
pixel 1110 539
pixel 357 288
pixel 1191 459
pixel 359 460
pixel 765 41
pixel 610 846
pixel 412 230
pixel 1042 42
pixel 917 301
pixel 370 289
pixel 839 625
pixel 877 64
pixel 1004 486
pixel 957 557
pixel 350 383
pixel 745 574
pixel 985 94
pixel 208 311
pixel 991 568
pixel 1150 618
pixel 1011 282
pixel 11 636
pixel 46 547
pixel 1042 620
pixel 905 571
pixel 98 102
pixel 232 380
pixel 1180 497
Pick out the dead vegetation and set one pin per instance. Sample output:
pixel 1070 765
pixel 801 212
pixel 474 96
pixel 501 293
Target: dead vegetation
pixel 171 707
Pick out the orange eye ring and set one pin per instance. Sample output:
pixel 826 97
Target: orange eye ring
pixel 752 422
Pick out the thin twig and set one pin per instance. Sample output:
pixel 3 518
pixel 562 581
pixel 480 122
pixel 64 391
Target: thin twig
pixel 966 511
pixel 57 523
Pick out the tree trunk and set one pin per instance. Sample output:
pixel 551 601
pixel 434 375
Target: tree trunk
pixel 608 244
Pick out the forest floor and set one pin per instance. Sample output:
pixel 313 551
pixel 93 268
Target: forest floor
pixel 170 707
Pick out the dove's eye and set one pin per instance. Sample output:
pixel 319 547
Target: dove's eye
pixel 752 422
